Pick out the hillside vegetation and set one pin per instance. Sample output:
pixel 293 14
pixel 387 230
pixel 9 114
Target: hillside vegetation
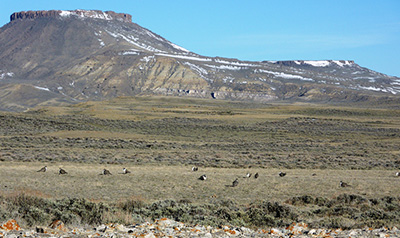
pixel 176 131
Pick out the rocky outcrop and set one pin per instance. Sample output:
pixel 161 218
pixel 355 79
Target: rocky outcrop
pixel 165 227
pixel 108 15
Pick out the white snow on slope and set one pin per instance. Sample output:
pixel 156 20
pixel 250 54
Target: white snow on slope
pixel 342 63
pixel 184 57
pixel 147 58
pixel 4 75
pixel 234 63
pixel 41 88
pixel 196 68
pixel 393 90
pixel 179 47
pixel 284 75
pixel 86 14
pixel 317 63
pixel 225 67
pixel 324 63
pixel 131 39
pixel 129 53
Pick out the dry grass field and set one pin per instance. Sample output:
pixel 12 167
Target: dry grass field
pixel 153 183
pixel 159 139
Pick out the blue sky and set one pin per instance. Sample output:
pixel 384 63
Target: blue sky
pixel 366 31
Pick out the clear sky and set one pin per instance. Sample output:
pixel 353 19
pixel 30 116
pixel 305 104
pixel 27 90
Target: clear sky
pixel 366 31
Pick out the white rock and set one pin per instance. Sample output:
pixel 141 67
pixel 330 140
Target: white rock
pixel 276 231
pixel 150 235
pixel 207 235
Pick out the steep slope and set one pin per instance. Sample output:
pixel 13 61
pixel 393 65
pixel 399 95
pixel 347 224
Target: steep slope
pixel 92 55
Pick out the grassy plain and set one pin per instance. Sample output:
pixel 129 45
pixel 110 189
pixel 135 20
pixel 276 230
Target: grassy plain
pixel 160 138
pixel 153 183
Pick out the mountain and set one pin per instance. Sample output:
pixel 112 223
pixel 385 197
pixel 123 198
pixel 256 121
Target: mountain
pixel 62 57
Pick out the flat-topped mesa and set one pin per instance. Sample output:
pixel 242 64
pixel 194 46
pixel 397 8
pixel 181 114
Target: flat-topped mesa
pixel 107 15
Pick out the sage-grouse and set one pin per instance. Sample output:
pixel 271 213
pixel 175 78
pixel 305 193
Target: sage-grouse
pixel 235 183
pixel 203 177
pixel 194 169
pixel 106 172
pixel 62 171
pixel 282 174
pixel 343 184
pixel 125 171
pixel 44 169
pixel 248 175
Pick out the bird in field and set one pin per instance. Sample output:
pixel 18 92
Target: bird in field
pixel 248 175
pixel 44 169
pixel 282 174
pixel 343 184
pixel 256 176
pixel 203 177
pixel 62 171
pixel 398 174
pixel 125 171
pixel 235 183
pixel 105 172
pixel 194 169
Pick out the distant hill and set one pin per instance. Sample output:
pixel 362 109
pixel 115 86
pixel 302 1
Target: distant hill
pixel 62 57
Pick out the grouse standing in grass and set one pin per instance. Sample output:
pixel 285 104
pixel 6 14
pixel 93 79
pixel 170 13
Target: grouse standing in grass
pixel 235 183
pixel 248 175
pixel 125 171
pixel 62 171
pixel 282 174
pixel 194 169
pixel 398 174
pixel 256 176
pixel 106 172
pixel 44 169
pixel 203 177
pixel 343 184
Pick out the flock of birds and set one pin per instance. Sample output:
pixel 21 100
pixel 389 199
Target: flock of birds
pixel 202 177
pixel 103 172
pixel 236 181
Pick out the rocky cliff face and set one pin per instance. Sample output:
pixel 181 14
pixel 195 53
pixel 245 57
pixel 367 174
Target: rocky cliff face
pixel 92 55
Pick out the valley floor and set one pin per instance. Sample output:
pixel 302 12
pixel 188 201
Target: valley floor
pixel 160 139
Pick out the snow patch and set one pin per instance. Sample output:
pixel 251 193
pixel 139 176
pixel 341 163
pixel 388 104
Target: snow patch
pixel 7 74
pixel 234 63
pixel 185 57
pixel 178 47
pixel 317 63
pixel 147 58
pixel 131 39
pixel 342 63
pixel 385 90
pixel 228 79
pixel 196 68
pixel 86 14
pixel 284 75
pixel 41 88
pixel 129 53
pixel 225 67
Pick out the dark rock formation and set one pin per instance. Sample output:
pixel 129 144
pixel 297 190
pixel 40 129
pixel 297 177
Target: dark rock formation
pixel 82 13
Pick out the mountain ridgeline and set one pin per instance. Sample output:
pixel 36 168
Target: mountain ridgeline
pixel 62 57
